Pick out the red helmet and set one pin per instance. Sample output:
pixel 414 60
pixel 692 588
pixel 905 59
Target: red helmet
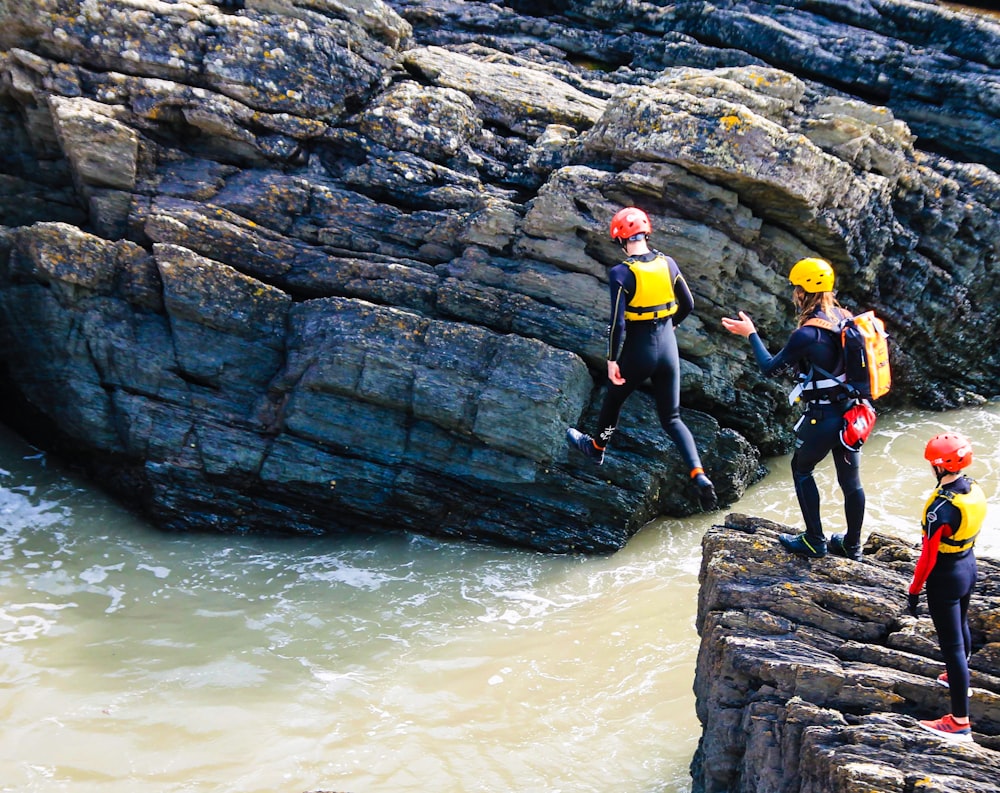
pixel 949 451
pixel 628 222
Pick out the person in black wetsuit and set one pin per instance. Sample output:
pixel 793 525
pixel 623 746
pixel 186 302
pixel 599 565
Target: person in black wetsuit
pixel 818 430
pixel 952 518
pixel 649 297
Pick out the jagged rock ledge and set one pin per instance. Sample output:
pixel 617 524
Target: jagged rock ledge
pixel 811 675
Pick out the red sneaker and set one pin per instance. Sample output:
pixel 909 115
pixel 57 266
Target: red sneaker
pixel 946 727
pixel 943 680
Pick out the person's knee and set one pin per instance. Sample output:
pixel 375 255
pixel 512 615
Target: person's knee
pixel 852 490
pixel 669 413
pixel 802 469
pixel 800 478
pixel 673 426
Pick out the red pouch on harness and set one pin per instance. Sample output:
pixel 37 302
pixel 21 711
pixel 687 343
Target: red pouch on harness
pixel 859 421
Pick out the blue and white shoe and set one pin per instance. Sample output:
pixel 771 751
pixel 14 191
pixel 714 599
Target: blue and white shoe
pixel 584 444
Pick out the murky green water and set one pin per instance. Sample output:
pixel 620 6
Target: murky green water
pixel 132 660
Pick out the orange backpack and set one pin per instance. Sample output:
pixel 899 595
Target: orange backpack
pixel 866 354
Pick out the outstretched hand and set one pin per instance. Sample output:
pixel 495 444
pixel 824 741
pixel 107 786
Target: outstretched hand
pixel 741 327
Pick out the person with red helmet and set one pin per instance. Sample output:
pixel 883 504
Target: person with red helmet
pixel 649 297
pixel 946 569
pixel 816 350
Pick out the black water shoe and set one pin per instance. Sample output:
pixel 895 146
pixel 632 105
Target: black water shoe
pixel 837 547
pixel 706 493
pixel 801 545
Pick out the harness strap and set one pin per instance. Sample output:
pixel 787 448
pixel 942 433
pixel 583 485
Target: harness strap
pixel 661 307
pixel 640 312
pixel 835 381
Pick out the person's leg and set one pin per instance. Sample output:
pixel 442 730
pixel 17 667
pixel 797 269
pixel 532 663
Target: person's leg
pixel 815 436
pixel 634 365
pixel 848 465
pixel 948 585
pixel 971 575
pixel 947 622
pixel 611 408
pixel 666 381
pixel 966 631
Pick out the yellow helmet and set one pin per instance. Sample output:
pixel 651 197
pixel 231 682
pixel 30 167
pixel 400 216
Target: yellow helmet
pixel 813 275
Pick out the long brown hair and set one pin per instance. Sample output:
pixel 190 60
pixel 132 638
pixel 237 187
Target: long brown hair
pixel 811 302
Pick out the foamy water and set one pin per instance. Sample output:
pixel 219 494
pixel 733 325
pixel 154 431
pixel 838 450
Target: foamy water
pixel 135 660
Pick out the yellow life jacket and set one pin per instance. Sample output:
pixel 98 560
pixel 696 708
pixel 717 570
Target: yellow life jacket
pixel 971 506
pixel 654 290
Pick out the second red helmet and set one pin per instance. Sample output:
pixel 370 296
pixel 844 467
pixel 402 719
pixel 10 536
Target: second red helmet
pixel 628 222
pixel 949 451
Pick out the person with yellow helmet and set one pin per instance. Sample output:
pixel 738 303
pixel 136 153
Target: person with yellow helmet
pixel 649 297
pixel 815 347
pixel 953 515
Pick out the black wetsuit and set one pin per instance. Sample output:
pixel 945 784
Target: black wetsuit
pixel 647 349
pixel 817 432
pixel 949 587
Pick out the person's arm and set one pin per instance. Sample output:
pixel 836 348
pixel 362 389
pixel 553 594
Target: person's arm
pixel 939 517
pixel 795 349
pixel 618 286
pixel 928 558
pixel 682 294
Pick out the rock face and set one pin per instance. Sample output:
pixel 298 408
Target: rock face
pixel 811 675
pixel 322 265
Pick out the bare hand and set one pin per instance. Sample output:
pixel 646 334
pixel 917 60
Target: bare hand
pixel 741 327
pixel 615 373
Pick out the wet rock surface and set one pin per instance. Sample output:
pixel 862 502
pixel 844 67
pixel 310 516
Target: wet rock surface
pixel 811 676
pixel 321 265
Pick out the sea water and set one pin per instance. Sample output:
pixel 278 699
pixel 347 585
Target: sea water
pixel 134 660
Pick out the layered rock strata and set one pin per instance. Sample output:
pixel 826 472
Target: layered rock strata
pixel 323 265
pixel 811 676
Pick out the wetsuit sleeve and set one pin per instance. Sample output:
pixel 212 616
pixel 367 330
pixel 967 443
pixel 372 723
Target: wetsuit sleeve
pixel 621 284
pixel 794 350
pixel 682 294
pixel 938 526
pixel 926 562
